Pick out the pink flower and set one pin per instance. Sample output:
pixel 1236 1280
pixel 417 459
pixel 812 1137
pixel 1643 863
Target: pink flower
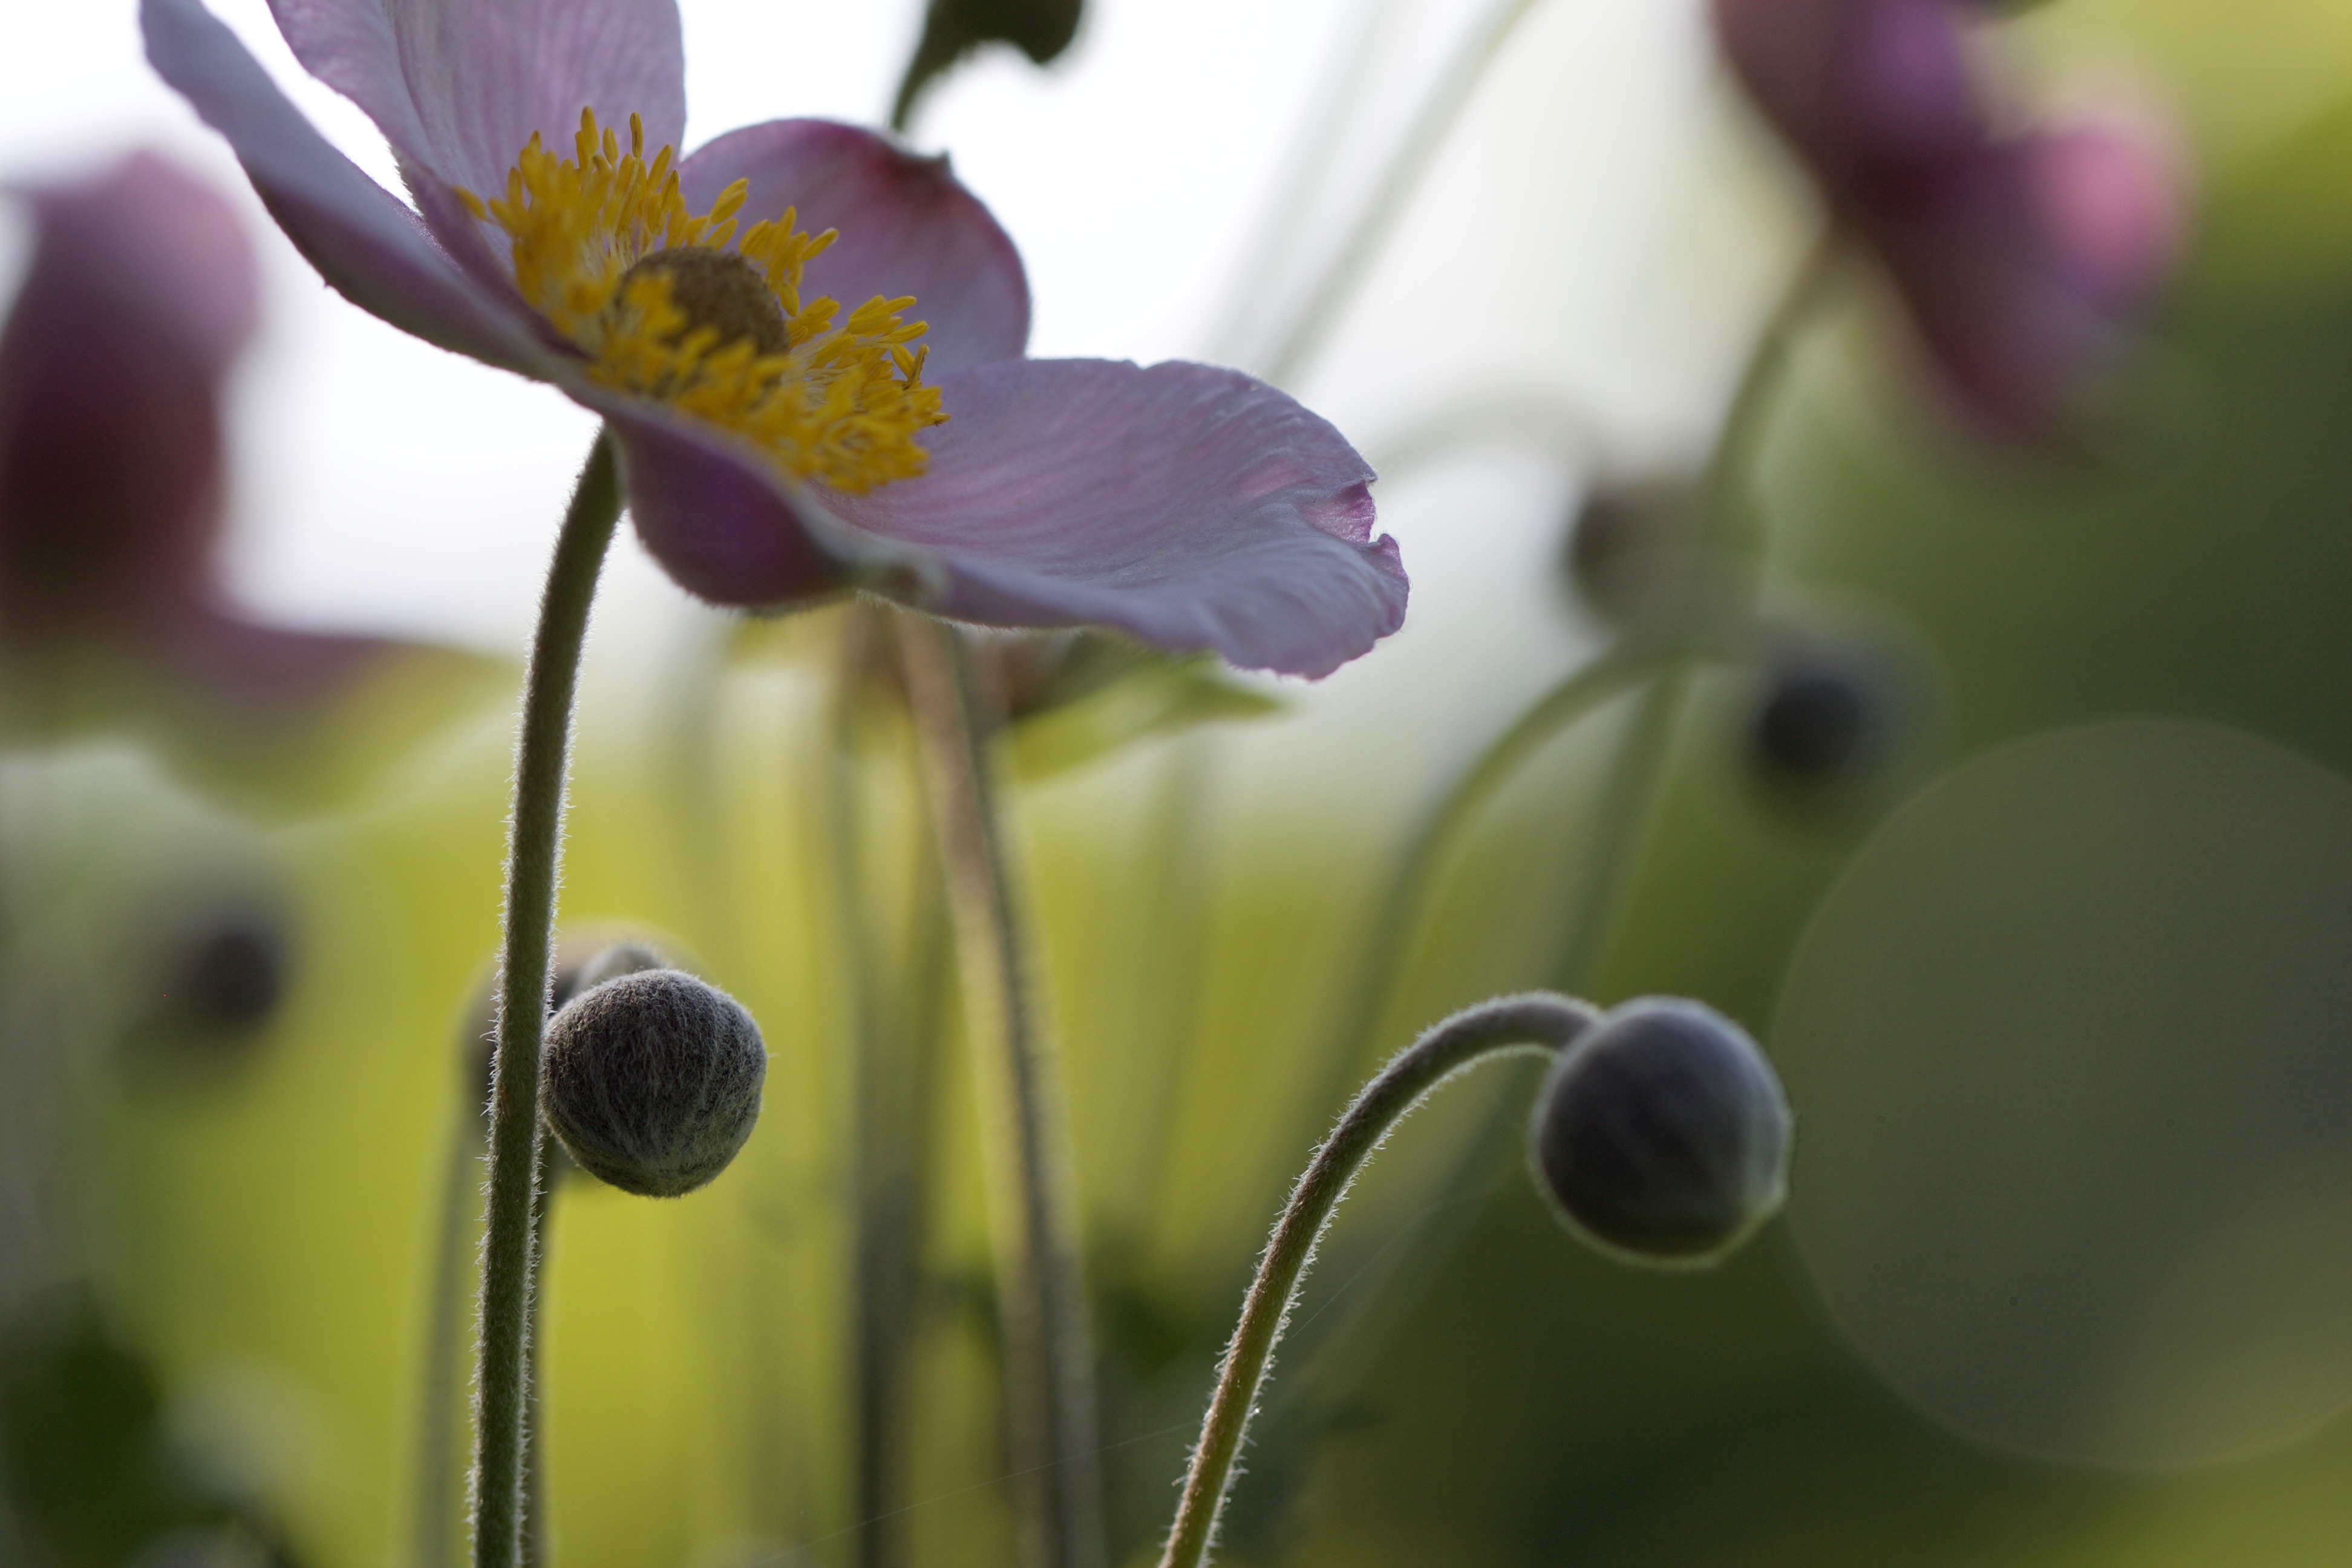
pixel 776 446
pixel 2022 258
pixel 140 295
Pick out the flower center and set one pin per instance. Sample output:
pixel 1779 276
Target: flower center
pixel 719 290
pixel 671 304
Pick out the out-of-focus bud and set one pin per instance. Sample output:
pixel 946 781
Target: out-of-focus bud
pixel 1867 93
pixel 1661 1135
pixel 220 971
pixel 233 974
pixel 1817 723
pixel 652 1081
pixel 2022 260
pixel 2026 267
pixel 1632 551
pixel 608 964
pixel 141 294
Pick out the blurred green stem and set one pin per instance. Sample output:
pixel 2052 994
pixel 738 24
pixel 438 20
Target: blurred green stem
pixel 1536 1021
pixel 435 1519
pixel 897 998
pixel 1383 951
pixel 1395 187
pixel 1049 1372
pixel 534 848
pixel 1730 544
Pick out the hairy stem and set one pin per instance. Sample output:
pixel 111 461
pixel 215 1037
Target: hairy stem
pixel 534 846
pixel 1049 1371
pixel 1539 1020
pixel 534 1441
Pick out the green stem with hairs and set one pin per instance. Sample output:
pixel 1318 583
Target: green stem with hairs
pixel 1538 1021
pixel 534 848
pixel 1049 1354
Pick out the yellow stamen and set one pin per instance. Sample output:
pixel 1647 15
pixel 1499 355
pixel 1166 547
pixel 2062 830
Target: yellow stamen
pixel 842 405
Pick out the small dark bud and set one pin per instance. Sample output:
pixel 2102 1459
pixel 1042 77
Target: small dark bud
pixel 1662 1136
pixel 609 963
pixel 220 975
pixel 652 1081
pixel 232 974
pixel 1816 724
pixel 1631 550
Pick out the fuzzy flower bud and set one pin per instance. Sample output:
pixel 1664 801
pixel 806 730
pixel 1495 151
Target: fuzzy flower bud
pixel 609 963
pixel 652 1080
pixel 1662 1136
pixel 1816 723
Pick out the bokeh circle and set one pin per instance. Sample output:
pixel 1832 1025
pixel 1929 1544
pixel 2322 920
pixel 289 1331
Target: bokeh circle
pixel 2070 1044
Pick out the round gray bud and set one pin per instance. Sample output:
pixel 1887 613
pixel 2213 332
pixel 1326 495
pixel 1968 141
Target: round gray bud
pixel 1662 1136
pixel 652 1080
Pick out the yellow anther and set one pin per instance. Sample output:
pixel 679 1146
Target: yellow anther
pixel 842 405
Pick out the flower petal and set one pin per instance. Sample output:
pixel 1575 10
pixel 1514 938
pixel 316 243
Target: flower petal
pixel 110 419
pixel 717 518
pixel 457 87
pixel 2112 194
pixel 147 240
pixel 241 668
pixel 365 244
pixel 907 227
pixel 1868 92
pixel 1191 506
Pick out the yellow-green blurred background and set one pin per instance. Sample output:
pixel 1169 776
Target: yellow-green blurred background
pixel 2061 1004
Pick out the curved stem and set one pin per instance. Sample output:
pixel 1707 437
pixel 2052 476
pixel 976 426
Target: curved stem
pixel 1730 539
pixel 1538 1020
pixel 1422 141
pixel 534 846
pixel 1049 1354
pixel 1441 826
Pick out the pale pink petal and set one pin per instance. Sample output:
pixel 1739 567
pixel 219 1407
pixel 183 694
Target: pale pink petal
pixel 2010 331
pixel 1191 506
pixel 2111 196
pixel 110 439
pixel 907 227
pixel 457 87
pixel 1867 93
pixel 362 241
pixel 147 240
pixel 258 672
pixel 712 512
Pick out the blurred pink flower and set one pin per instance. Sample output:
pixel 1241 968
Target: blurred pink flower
pixel 2023 258
pixel 140 295
pixel 775 447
